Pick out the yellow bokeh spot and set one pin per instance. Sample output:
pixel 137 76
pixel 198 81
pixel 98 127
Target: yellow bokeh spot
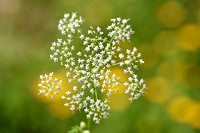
pixel 189 37
pixel 119 72
pixel 196 122
pixel 66 86
pixel 58 110
pixel 159 90
pixel 192 112
pixel 171 14
pixel 177 107
pixel 165 43
pixel 186 110
pixel 98 12
pixel 149 55
pixel 172 70
pixel 119 102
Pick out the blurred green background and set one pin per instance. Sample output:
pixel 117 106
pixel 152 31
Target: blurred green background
pixel 167 34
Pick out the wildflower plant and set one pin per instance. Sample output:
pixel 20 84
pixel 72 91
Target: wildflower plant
pixel 90 64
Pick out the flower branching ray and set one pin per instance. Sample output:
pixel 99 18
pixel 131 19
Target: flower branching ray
pixel 91 66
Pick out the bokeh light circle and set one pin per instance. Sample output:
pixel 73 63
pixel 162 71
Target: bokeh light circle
pixel 185 110
pixel 159 90
pixel 119 102
pixel 173 71
pixel 171 14
pixel 165 43
pixel 189 37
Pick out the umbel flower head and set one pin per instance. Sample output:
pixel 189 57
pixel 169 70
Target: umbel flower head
pixel 50 86
pixel 90 65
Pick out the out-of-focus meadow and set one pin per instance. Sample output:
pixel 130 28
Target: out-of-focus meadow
pixel 167 35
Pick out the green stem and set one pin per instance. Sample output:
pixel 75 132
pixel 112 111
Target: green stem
pixel 120 62
pixel 96 94
pixel 112 38
pixel 95 90
pixel 79 90
pixel 90 119
pixel 89 123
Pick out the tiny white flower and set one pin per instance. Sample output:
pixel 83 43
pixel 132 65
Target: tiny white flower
pixel 121 56
pixel 82 37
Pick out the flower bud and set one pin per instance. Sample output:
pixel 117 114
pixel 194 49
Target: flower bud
pixel 86 131
pixel 82 125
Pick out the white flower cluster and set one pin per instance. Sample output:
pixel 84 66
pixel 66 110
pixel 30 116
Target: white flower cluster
pixel 61 50
pixel 50 86
pixel 119 30
pixel 91 65
pixel 69 25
